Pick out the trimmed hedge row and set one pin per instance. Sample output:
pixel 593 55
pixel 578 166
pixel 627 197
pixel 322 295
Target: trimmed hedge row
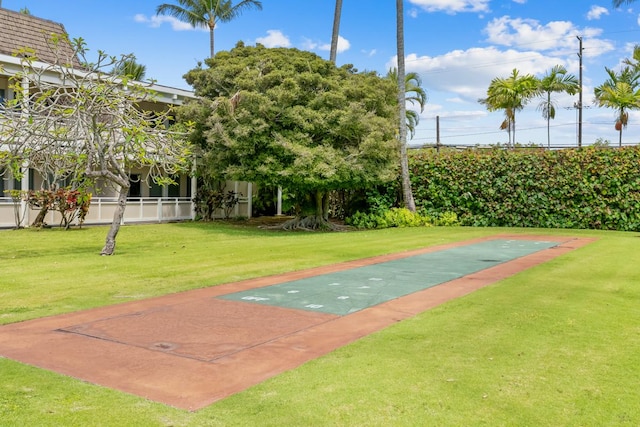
pixel 594 188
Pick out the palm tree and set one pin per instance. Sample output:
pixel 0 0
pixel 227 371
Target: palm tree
pixel 414 93
pixel 621 93
pixel 207 13
pixel 131 69
pixel 404 158
pixel 511 94
pixel 556 80
pixel 617 3
pixel 634 61
pixel 336 32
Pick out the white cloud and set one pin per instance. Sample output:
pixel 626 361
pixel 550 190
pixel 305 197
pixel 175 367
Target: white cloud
pixel 596 12
pixel 555 37
pixel 520 1
pixel 467 73
pixel 308 44
pixel 452 6
pixel 274 38
pixel 343 45
pixel 507 31
pixel 157 20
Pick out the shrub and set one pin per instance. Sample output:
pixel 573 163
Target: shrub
pixel 399 217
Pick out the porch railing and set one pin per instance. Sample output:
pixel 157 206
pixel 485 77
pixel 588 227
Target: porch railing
pixel 145 209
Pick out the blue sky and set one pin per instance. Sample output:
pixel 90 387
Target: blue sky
pixel 457 47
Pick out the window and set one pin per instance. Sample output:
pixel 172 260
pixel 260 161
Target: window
pixel 3 97
pixel 174 189
pixel 17 183
pixel 134 189
pixel 155 190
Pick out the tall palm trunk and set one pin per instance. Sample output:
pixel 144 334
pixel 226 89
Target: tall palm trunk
pixel 336 31
pixel 404 158
pixel 212 26
pixel 513 130
pixel 549 122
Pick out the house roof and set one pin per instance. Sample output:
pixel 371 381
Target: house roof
pixel 19 30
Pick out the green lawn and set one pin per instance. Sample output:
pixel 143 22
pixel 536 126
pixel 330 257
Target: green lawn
pixel 556 345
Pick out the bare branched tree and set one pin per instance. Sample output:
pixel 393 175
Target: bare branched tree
pixel 77 117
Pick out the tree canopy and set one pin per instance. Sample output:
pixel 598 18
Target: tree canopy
pixel 285 117
pixel 620 92
pixel 511 94
pixel 556 80
pixel 207 13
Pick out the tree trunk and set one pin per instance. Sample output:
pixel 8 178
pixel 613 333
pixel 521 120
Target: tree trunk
pixel 110 243
pixel 620 137
pixel 39 221
pixel 211 28
pixel 404 158
pixel 513 143
pixel 336 32
pixel 318 221
pixel 548 134
pixel 325 207
pixel 319 196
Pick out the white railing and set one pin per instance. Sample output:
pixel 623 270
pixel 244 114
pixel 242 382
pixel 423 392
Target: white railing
pixel 138 210
pixel 101 210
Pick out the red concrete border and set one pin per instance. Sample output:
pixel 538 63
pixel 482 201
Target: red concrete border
pixel 212 354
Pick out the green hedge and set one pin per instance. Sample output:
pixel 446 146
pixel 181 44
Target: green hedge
pixel 596 188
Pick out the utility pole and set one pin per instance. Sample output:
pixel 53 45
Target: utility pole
pixel 580 96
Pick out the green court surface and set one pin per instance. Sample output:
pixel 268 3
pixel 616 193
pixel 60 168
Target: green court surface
pixel 348 291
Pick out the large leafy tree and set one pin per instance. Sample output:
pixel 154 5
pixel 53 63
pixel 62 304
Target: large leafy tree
pixel 620 92
pixel 92 117
pixel 407 192
pixel 288 118
pixel 414 94
pixel 207 13
pixel 511 94
pixel 555 81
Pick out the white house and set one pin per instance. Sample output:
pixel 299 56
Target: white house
pixel 147 202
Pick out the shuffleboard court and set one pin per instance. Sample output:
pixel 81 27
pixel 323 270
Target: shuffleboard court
pixel 348 291
pixel 193 348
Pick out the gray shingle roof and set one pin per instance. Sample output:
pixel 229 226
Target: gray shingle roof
pixel 18 30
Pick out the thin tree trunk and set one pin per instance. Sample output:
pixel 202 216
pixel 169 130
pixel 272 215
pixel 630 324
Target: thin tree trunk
pixel 549 120
pixel 514 131
pixel 404 158
pixel 319 205
pixel 39 221
pixel 325 206
pixel 211 40
pixel 336 32
pixel 620 137
pixel 110 243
